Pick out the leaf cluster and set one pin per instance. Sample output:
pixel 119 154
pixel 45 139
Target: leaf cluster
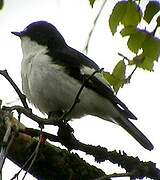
pixel 129 16
pixel 144 44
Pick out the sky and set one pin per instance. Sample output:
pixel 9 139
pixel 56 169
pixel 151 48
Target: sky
pixel 74 19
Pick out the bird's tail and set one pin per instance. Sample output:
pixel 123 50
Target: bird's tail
pixel 135 132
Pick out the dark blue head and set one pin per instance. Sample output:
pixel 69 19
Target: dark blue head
pixel 43 33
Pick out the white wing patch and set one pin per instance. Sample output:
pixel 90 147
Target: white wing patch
pixel 89 71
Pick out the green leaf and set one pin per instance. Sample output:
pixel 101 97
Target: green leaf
pixel 147 64
pixel 151 9
pixel 119 70
pixel 108 77
pixel 1 4
pixel 92 2
pixel 117 15
pixel 132 15
pixel 117 78
pixel 151 47
pixel 137 60
pixel 128 30
pixel 136 40
pixel 119 75
pixel 151 53
pixel 127 13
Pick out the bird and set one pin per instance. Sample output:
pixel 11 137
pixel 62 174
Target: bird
pixel 52 73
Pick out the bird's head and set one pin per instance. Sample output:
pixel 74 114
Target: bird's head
pixel 43 33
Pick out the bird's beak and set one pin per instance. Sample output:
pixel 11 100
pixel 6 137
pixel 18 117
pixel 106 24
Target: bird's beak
pixel 17 34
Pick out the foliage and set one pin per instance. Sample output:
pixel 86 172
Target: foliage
pixel 126 13
pixel 143 44
pixel 117 77
pixel 151 9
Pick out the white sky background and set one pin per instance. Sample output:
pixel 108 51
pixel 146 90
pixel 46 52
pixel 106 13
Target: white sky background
pixel 74 20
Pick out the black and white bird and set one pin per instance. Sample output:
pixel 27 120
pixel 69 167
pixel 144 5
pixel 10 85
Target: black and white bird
pixel 52 73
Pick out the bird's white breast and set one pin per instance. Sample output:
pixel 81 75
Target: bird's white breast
pixel 44 83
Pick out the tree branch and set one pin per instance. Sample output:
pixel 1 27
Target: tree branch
pixel 93 27
pixel 133 166
pixel 61 164
pixel 51 160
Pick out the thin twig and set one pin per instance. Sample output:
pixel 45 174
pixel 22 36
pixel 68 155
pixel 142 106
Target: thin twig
pixel 77 99
pixel 124 57
pixel 93 27
pixel 130 76
pixel 8 147
pixel 35 154
pixel 6 152
pixel 21 96
pixel 32 116
pixel 5 140
pixel 17 174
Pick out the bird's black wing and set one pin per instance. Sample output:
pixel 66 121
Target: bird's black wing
pixel 102 88
pixel 77 65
